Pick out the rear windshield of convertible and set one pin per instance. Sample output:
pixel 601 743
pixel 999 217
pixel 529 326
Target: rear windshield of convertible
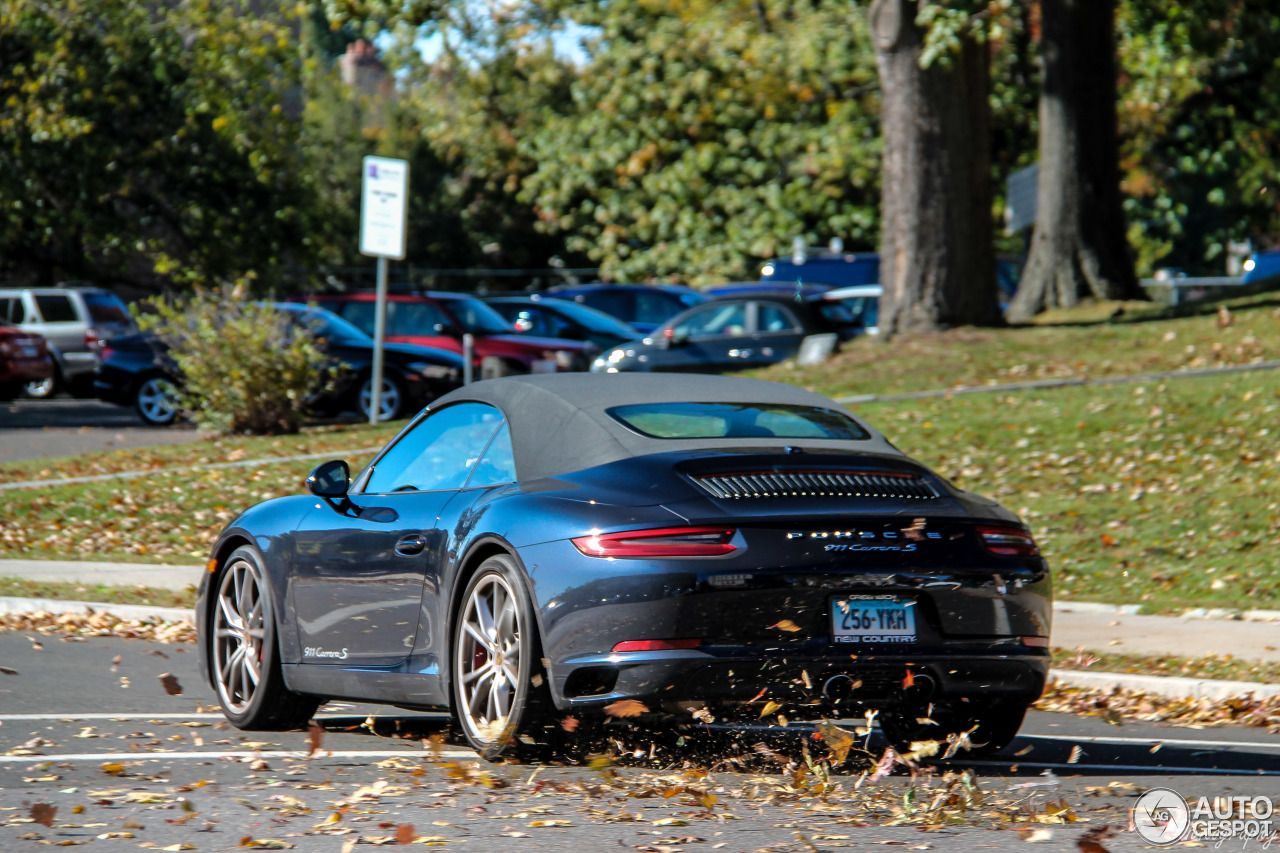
pixel 736 420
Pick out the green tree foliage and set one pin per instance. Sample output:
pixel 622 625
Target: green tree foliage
pixel 247 368
pixel 1200 117
pixel 147 143
pixel 705 135
pixel 456 117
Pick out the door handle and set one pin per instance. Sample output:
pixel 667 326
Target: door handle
pixel 411 544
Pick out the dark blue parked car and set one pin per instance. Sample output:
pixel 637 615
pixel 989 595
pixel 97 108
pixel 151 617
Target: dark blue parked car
pixel 645 306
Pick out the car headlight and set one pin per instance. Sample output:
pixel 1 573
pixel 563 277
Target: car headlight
pixel 433 371
pixel 617 356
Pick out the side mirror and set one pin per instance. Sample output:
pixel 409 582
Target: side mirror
pixel 330 479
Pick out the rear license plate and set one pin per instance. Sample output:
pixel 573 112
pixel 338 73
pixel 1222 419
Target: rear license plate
pixel 873 619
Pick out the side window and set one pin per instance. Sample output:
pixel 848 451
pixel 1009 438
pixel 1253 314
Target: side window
pixel 656 307
pixel 414 318
pixel 775 318
pixel 537 320
pixel 439 453
pixel 56 308
pixel 615 302
pixel 12 310
pixel 715 320
pixel 498 463
pixel 359 314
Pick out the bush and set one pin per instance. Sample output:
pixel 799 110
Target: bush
pixel 246 367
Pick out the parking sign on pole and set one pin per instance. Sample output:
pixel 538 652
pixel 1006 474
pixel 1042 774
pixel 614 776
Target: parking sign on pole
pixel 384 215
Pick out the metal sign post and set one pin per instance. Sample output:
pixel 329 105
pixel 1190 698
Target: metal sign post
pixel 384 214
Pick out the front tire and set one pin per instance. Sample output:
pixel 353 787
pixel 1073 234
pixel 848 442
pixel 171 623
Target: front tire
pixel 156 401
pixel 392 402
pixel 496 660
pixel 244 654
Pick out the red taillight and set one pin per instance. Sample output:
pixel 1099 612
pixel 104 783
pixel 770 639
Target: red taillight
pixel 1010 541
pixel 656 645
pixel 663 542
pixel 93 340
pixel 107 352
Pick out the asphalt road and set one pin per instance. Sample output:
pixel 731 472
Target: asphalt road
pixel 87 727
pixel 64 426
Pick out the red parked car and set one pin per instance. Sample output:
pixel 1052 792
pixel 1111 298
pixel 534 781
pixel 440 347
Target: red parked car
pixel 24 357
pixel 436 319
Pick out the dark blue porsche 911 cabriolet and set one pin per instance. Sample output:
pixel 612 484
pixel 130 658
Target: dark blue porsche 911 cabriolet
pixel 538 546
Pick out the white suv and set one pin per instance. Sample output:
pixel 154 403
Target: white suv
pixel 76 321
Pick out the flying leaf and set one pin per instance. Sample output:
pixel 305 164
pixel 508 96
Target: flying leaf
pixel 169 682
pixel 405 833
pixel 43 813
pixel 769 708
pixel 837 740
pixel 626 708
pixel 786 625
pixel 315 738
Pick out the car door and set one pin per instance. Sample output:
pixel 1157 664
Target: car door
pixel 776 335
pixel 708 339
pixel 367 575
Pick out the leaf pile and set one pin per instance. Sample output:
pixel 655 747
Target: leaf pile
pixel 93 623
pixel 1118 706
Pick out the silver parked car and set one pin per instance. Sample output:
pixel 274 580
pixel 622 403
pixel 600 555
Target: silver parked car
pixel 76 321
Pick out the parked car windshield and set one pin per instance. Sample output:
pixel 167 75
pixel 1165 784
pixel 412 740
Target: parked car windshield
pixel 477 318
pixel 736 420
pixel 327 325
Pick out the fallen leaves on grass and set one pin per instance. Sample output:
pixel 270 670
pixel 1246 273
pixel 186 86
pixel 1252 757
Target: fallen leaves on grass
pixel 1117 706
pixel 95 623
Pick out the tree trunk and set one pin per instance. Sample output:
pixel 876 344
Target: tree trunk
pixel 1079 247
pixel 937 257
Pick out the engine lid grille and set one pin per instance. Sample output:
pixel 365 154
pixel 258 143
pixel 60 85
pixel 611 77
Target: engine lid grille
pixel 826 484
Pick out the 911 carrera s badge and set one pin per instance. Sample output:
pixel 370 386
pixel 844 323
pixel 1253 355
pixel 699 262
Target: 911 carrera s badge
pixel 317 652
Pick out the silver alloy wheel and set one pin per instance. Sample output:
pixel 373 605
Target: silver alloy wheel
pixel 487 662
pixel 239 629
pixel 157 400
pixel 390 402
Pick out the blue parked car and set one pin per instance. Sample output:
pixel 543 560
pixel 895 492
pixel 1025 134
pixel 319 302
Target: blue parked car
pixel 863 268
pixel 644 306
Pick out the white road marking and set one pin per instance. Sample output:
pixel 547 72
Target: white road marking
pixel 53 758
pixel 1254 744
pixel 1143 769
pixel 126 717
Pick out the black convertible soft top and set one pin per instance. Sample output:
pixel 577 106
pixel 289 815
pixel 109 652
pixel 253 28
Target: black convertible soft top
pixel 559 422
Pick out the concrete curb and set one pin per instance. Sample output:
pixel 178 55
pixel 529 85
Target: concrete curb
pixel 1168 686
pixel 10 605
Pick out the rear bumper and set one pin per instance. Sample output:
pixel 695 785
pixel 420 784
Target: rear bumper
pixel 833 685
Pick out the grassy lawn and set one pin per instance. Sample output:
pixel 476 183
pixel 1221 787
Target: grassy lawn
pixel 97 593
pixel 1145 339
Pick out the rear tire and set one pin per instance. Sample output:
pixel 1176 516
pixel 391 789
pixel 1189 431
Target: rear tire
pixel 997 724
pixel 498 684
pixel 244 653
